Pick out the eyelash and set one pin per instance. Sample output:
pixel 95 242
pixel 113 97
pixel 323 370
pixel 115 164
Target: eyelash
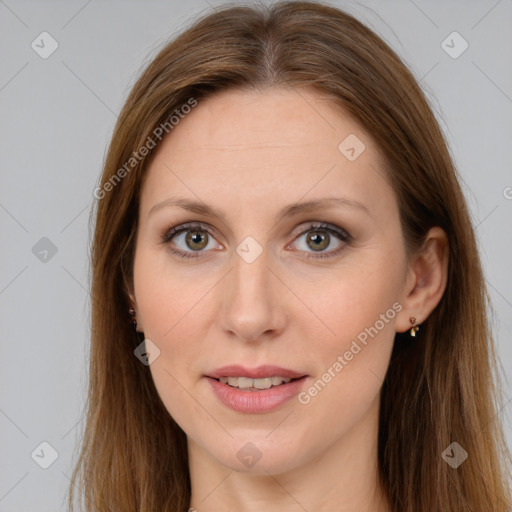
pixel 341 234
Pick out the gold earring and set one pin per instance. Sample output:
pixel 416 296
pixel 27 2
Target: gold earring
pixel 414 329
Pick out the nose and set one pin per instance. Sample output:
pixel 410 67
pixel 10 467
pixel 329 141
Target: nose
pixel 252 301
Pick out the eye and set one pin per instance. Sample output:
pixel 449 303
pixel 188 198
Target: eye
pixel 319 237
pixel 192 237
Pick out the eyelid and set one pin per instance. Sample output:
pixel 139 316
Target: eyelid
pixel 169 233
pixel 341 234
pixel 320 225
pixel 304 228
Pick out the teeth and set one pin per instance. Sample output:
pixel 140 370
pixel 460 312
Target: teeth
pixel 246 383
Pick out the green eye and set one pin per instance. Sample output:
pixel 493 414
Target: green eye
pixel 195 237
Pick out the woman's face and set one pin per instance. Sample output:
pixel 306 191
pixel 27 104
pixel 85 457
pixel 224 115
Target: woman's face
pixel 314 290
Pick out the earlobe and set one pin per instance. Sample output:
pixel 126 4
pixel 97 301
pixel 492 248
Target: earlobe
pixel 429 275
pixel 133 318
pixel 132 312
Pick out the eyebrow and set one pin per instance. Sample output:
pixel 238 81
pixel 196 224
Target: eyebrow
pixel 288 211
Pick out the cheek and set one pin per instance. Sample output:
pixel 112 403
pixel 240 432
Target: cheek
pixel 352 346
pixel 170 302
pixel 169 296
pixel 357 302
pixel 351 363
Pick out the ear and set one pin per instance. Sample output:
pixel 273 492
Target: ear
pixel 130 294
pixel 426 280
pixel 128 289
pixel 132 301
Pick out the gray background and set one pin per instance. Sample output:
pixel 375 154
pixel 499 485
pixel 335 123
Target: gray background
pixel 57 116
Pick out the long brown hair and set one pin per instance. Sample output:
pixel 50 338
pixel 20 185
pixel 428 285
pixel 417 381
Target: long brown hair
pixel 438 390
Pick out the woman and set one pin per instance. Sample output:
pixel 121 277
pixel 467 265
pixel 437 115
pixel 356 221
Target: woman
pixel 281 223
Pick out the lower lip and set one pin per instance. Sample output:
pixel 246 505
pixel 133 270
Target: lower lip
pixel 253 402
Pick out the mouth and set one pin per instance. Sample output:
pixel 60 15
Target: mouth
pixel 259 378
pixel 260 384
pixel 256 391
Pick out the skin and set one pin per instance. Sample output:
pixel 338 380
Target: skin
pixel 250 154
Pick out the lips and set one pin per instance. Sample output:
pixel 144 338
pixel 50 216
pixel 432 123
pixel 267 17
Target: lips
pixel 251 399
pixel 259 372
pixel 256 401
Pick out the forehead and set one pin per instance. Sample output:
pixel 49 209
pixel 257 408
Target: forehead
pixel 247 120
pixel 264 145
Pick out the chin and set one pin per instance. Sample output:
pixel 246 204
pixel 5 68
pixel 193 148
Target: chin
pixel 257 454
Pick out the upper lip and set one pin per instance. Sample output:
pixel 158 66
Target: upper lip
pixel 236 370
